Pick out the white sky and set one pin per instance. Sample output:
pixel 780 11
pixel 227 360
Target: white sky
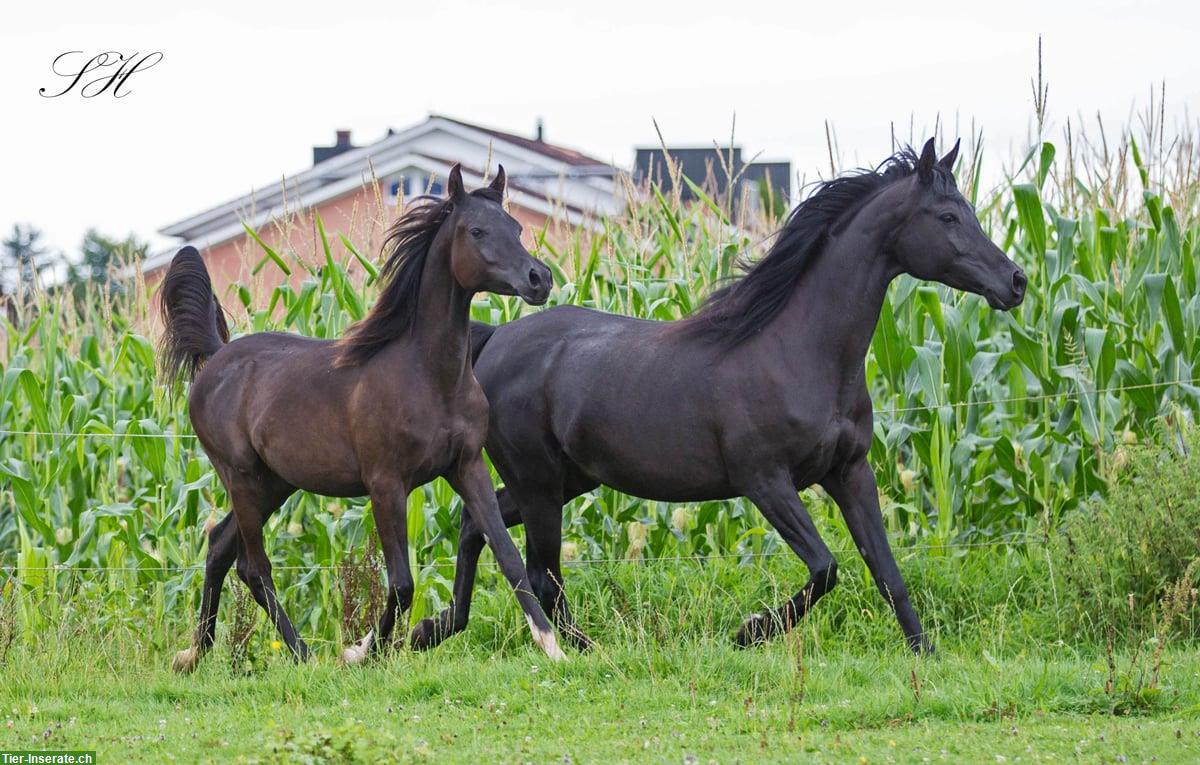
pixel 245 89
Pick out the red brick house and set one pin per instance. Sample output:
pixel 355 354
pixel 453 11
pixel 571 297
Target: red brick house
pixel 356 190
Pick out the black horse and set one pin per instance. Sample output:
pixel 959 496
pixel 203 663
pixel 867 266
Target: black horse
pixel 761 393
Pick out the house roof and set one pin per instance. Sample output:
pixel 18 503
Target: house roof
pixel 560 153
pixel 542 177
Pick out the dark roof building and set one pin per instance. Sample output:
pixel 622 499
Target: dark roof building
pixel 708 166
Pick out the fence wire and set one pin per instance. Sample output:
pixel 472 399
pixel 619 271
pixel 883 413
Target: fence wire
pixel 583 563
pixel 1008 542
pixel 1068 394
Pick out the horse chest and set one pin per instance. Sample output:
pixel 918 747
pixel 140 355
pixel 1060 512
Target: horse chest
pixel 815 440
pixel 445 429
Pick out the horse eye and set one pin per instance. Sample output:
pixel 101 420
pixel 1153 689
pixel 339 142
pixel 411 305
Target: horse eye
pixel 948 218
pixel 477 232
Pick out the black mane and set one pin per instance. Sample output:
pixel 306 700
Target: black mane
pixel 407 245
pixel 744 307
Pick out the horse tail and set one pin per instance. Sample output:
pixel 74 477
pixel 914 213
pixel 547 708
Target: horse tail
pixel 480 334
pixel 194 323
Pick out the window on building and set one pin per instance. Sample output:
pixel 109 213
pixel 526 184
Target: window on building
pixel 411 183
pixel 398 187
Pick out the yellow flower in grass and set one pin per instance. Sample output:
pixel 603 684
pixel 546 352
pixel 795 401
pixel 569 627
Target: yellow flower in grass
pixel 276 645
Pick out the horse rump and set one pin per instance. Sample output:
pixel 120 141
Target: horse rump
pixel 194 325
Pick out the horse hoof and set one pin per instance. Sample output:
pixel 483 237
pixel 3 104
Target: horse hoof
pixel 186 660
pixel 425 635
pixel 752 632
pixel 546 641
pixel 356 653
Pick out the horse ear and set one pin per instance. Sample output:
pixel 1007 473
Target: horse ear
pixel 499 181
pixel 948 160
pixel 454 184
pixel 926 161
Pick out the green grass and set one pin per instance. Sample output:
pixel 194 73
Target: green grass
pixel 624 702
pixel 664 682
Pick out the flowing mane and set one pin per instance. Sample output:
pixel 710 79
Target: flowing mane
pixel 744 307
pixel 407 245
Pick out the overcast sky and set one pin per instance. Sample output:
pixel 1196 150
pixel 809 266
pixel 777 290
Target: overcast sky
pixel 245 89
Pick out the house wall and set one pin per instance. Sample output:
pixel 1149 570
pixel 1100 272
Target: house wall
pixel 358 215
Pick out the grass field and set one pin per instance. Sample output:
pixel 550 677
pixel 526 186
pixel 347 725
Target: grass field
pixel 664 683
pixel 695 699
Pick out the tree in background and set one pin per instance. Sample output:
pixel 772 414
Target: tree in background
pixel 103 258
pixel 23 259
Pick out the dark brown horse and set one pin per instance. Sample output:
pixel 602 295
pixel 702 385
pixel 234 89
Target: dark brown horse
pixel 387 408
pixel 760 394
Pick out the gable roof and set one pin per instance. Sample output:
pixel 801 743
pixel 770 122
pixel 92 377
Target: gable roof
pixel 542 177
pixel 560 153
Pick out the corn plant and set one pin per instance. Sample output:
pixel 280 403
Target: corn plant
pixel 988 425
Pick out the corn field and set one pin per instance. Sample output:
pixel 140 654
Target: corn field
pixel 989 426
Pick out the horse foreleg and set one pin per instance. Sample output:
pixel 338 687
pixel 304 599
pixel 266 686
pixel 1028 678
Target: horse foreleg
pixel 856 493
pixel 389 505
pixel 474 484
pixel 780 504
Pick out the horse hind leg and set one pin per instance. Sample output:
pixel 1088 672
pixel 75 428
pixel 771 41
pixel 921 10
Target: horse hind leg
pixel 223 543
pixel 471 480
pixel 543 539
pixel 431 631
pixel 780 504
pixel 255 496
pixel 542 515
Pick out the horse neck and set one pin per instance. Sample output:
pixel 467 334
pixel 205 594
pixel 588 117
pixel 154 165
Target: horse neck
pixel 442 323
pixel 836 303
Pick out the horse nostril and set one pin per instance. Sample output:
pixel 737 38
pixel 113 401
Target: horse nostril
pixel 1019 282
pixel 534 279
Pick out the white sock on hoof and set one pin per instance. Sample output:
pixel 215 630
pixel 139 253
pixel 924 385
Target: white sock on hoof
pixel 357 652
pixel 546 640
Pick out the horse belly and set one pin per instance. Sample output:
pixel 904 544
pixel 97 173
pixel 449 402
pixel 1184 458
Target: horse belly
pixel 308 452
pixel 644 459
pixel 315 465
